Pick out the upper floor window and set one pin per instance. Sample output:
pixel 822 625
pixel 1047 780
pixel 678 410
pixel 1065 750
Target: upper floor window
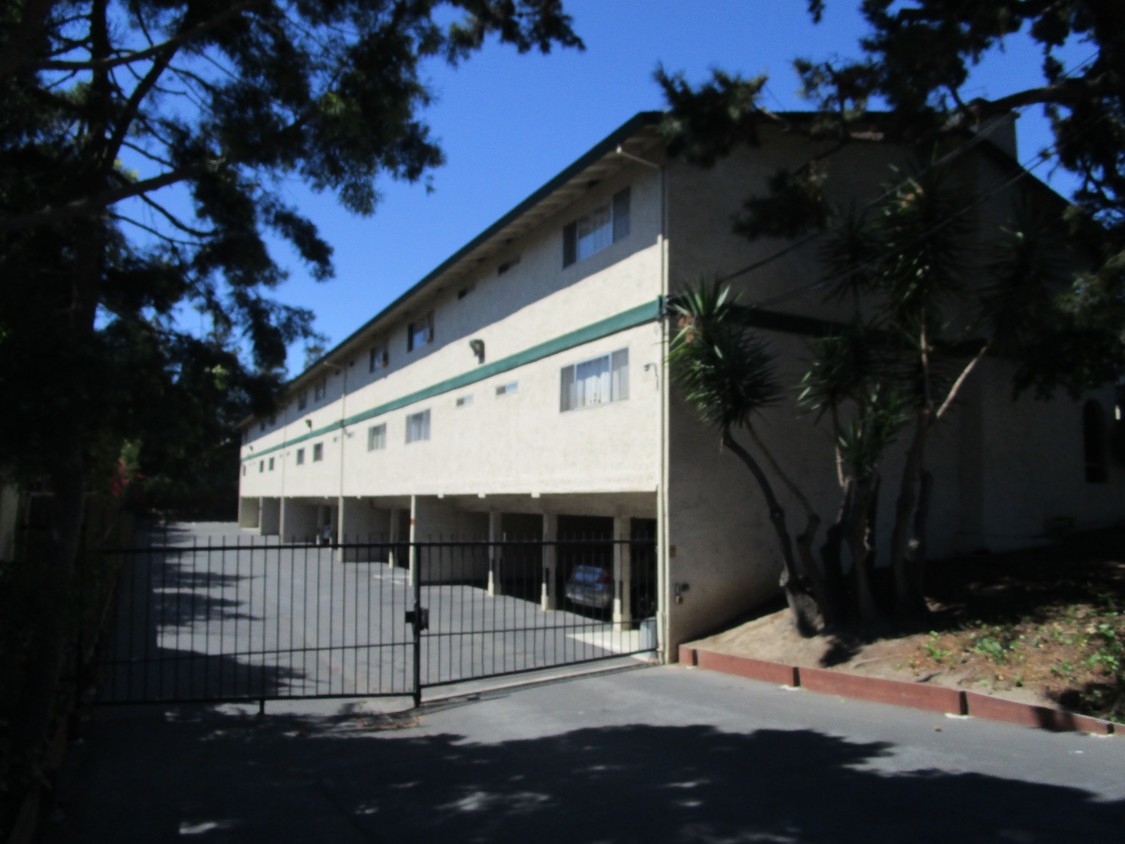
pixel 271 464
pixel 320 389
pixel 377 437
pixel 465 400
pixel 418 426
pixel 508 389
pixel 303 400
pixel 377 358
pixel 318 452
pixel 420 333
pixel 596 230
pixel 300 456
pixel 596 381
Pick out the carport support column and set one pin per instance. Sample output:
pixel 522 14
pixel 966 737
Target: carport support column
pixel 549 600
pixel 392 538
pixel 413 553
pixel 284 520
pixel 494 586
pixel 622 571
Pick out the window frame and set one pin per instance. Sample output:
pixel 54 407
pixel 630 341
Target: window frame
pixel 420 332
pixel 579 245
pixel 423 426
pixel 377 437
pixel 615 373
pixel 378 358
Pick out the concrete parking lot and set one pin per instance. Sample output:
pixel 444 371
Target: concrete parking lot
pixel 647 755
pixel 210 612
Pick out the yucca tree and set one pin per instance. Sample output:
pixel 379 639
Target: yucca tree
pixel 847 381
pixel 729 376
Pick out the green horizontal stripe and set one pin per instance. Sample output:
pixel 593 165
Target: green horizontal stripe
pixel 595 331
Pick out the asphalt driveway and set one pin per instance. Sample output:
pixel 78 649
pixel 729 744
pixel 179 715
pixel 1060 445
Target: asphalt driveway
pixel 650 754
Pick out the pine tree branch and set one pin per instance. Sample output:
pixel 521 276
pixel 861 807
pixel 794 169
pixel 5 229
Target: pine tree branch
pixel 174 43
pixel 94 204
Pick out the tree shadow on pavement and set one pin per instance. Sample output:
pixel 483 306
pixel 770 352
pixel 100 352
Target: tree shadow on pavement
pixel 382 779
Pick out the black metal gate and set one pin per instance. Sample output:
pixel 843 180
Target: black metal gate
pixel 210 618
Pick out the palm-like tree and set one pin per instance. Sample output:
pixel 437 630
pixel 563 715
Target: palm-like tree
pixel 729 375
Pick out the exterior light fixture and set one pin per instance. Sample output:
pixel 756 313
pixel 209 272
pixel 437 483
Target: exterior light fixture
pixel 477 345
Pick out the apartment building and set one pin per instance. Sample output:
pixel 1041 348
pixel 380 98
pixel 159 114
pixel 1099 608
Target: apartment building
pixel 521 389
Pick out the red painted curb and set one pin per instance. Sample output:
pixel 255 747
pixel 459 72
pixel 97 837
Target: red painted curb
pixel 751 669
pixel 1032 715
pixel 897 692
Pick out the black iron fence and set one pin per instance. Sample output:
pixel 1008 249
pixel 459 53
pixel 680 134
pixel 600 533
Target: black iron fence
pixel 222 618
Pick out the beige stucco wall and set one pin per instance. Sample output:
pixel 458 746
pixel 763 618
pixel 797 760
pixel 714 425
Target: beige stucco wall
pixel 513 443
pixel 1004 471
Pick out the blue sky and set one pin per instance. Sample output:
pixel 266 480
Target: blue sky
pixel 508 123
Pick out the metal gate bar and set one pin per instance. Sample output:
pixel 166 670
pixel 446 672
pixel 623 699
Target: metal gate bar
pixel 256 621
pixel 221 620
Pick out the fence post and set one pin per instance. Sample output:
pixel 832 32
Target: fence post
pixel 417 622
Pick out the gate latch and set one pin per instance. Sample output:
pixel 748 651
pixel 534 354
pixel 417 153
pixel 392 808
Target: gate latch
pixel 420 618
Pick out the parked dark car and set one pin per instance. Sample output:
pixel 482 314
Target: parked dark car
pixel 590 586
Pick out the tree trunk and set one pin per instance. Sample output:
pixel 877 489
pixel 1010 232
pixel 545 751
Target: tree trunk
pixel 916 553
pixel 858 536
pixel 909 603
pixel 54 584
pixel 801 604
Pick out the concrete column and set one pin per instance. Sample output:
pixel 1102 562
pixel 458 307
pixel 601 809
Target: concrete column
pixel 495 587
pixel 392 538
pixel 622 571
pixel 549 600
pixel 413 553
pixel 285 519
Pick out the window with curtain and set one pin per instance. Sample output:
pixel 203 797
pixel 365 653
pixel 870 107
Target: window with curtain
pixel 593 232
pixel 377 437
pixel 418 426
pixel 595 381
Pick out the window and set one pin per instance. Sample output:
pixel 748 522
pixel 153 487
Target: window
pixel 507 265
pixel 1094 443
pixel 596 381
pixel 244 470
pixel 318 452
pixel 377 437
pixel 300 456
pixel 271 464
pixel 507 389
pixel 262 425
pixel 418 426
pixel 378 358
pixel 320 389
pixel 420 333
pixel 593 232
pixel 261 466
pixel 465 400
pixel 303 400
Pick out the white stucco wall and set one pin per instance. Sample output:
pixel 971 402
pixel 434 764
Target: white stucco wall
pixel 515 442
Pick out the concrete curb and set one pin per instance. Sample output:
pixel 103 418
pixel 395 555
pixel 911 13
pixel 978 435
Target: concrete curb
pixel 896 692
